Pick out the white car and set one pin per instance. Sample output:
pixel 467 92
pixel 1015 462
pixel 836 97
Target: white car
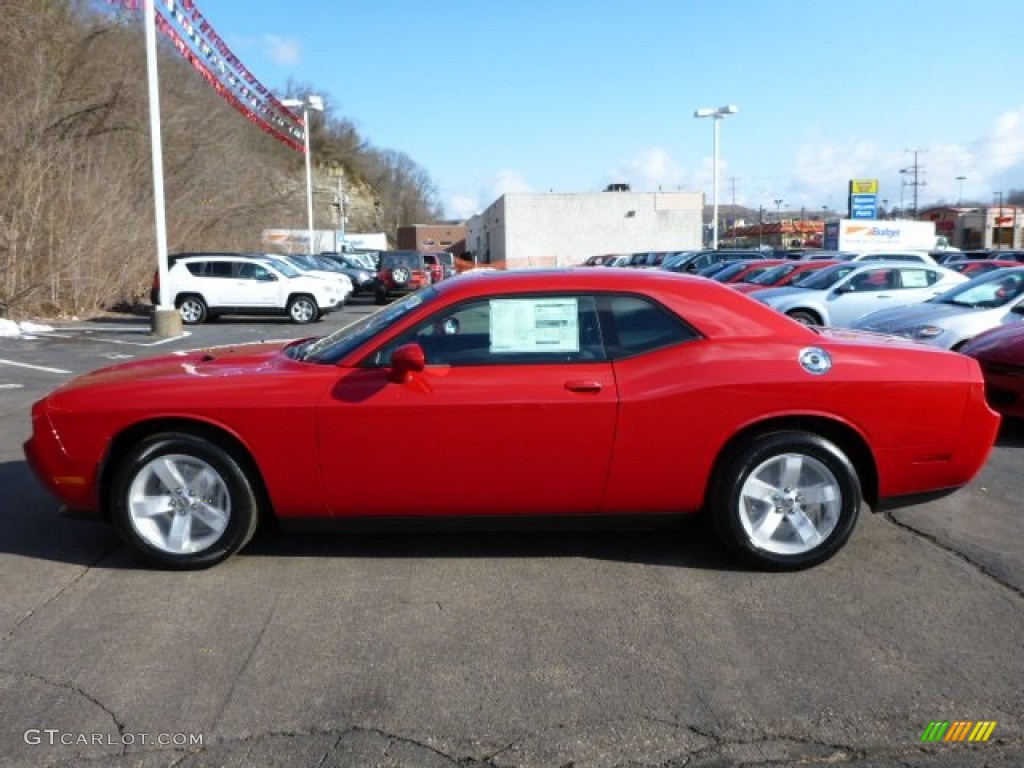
pixel 955 317
pixel 841 294
pixel 205 286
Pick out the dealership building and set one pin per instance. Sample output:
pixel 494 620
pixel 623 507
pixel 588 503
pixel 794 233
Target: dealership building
pixel 556 229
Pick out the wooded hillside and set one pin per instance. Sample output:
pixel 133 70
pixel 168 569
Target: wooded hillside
pixel 76 196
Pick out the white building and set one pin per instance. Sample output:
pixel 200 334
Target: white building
pixel 550 229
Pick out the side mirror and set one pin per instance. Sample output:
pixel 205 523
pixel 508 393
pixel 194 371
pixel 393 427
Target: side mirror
pixel 1018 309
pixel 405 361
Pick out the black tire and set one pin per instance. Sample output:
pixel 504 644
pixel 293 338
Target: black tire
pixel 193 309
pixel 804 317
pixel 303 309
pixel 211 516
pixel 380 296
pixel 772 523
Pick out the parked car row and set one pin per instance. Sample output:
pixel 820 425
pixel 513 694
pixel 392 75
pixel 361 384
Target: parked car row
pixel 203 286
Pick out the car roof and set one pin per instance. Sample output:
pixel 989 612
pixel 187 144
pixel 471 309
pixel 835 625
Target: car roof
pixel 713 308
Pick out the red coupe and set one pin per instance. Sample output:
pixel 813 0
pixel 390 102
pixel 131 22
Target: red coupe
pixel 589 395
pixel 781 275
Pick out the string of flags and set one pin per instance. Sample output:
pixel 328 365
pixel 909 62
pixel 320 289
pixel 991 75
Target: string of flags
pixel 197 42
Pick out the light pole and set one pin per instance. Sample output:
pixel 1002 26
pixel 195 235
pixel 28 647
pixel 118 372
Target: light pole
pixel 717 115
pixel 960 191
pixel 311 101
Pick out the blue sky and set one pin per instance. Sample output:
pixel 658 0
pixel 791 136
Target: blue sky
pixel 494 96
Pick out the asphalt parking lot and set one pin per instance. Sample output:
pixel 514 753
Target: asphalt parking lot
pixel 567 649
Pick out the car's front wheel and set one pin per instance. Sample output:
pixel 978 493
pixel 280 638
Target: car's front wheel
pixel 804 317
pixel 182 501
pixel 303 309
pixel 786 500
pixel 193 310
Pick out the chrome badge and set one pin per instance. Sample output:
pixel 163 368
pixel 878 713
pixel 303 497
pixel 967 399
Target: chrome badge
pixel 815 360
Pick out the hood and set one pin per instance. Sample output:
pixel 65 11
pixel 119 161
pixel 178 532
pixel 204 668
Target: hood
pixel 777 294
pixel 897 319
pixel 213 362
pixel 1004 344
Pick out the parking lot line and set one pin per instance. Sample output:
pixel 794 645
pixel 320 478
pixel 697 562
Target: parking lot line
pixel 32 367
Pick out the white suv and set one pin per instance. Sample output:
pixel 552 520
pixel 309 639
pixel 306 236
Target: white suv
pixel 203 287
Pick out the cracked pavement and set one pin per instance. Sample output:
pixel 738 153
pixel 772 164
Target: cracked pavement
pixel 567 649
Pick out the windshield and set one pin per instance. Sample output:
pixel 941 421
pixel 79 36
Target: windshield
pixel 731 270
pixel 993 289
pixel 331 348
pixel 769 276
pixel 827 277
pixel 283 266
pixel 678 258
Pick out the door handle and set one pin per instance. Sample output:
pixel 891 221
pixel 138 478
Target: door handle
pixel 583 385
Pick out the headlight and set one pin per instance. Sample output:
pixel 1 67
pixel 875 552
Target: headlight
pixel 363 277
pixel 927 332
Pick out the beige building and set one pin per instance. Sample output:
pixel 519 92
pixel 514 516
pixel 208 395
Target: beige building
pixel 555 229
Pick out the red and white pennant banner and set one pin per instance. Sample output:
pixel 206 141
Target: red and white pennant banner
pixel 199 44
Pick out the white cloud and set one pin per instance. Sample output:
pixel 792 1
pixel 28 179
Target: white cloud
pixel 649 170
pixel 504 182
pixel 282 50
pixel 461 204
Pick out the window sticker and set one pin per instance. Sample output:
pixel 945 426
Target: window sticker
pixel 916 278
pixel 535 325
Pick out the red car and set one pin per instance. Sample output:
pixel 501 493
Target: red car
pixel 587 395
pixel 974 267
pixel 1000 352
pixel 745 271
pixel 781 275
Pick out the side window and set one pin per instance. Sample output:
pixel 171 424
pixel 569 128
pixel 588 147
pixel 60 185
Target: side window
pixel 218 269
pixel 196 268
pixel 873 280
pixel 520 330
pixel 250 271
pixel 632 325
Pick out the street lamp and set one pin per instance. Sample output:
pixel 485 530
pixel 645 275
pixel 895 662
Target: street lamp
pixel 311 101
pixel 960 191
pixel 717 115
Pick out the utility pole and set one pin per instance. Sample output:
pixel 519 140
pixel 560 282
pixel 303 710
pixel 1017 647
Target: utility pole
pixel 917 182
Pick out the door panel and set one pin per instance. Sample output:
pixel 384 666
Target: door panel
pixel 469 440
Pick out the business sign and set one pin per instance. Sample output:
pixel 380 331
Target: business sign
pixel 863 187
pixel 863 206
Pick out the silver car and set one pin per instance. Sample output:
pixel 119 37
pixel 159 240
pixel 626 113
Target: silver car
pixel 955 317
pixel 843 293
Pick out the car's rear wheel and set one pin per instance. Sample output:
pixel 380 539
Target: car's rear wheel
pixel 786 500
pixel 303 309
pixel 380 296
pixel 193 310
pixel 804 318
pixel 183 502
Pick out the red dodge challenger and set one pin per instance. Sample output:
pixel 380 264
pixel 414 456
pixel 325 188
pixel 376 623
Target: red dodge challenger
pixel 590 395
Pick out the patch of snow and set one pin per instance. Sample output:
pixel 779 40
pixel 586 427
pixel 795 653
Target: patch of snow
pixel 9 328
pixel 30 327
